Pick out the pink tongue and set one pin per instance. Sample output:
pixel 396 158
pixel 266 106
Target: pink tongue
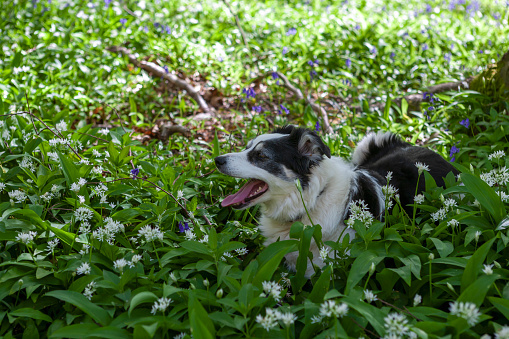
pixel 242 194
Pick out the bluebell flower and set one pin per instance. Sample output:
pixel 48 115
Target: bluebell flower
pixel 425 47
pixel 489 43
pixel 454 150
pixel 357 27
pixel 312 74
pixel 249 92
pixel 373 50
pixel 257 109
pixel 497 16
pixel 274 75
pixel 465 123
pixel 393 55
pixel 447 57
pixel 135 172
pixel 310 63
pixel 283 109
pixel 285 50
pixel 220 59
pixel 123 21
pixel 146 29
pixel 168 29
pixel 157 24
pixel 291 31
pixel 428 8
pixel 183 226
pixel 107 3
pixel 481 51
pixel 166 69
pixel 317 126
pixel 348 63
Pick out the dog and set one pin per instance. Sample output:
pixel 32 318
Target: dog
pixel 272 162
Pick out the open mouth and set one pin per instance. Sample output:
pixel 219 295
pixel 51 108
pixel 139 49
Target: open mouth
pixel 253 189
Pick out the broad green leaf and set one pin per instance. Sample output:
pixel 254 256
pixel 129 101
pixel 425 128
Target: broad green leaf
pixel 443 248
pixel 360 267
pixel 372 314
pixel 321 286
pixel 70 171
pixel 502 305
pixel 201 325
pixel 30 313
pixel 80 301
pixel 74 331
pixel 195 246
pixel 486 196
pixel 477 290
pixel 270 258
pixel 474 264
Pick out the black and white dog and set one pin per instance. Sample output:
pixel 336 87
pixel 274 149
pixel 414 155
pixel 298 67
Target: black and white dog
pixel 272 162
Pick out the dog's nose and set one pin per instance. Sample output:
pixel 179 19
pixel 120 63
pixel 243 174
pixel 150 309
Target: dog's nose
pixel 220 161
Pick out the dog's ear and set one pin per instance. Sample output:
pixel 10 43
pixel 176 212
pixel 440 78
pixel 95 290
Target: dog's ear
pixel 312 146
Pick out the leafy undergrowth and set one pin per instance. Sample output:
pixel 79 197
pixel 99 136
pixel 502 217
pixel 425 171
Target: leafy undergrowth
pixel 105 236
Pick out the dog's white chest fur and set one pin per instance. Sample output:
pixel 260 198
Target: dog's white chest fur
pixel 326 198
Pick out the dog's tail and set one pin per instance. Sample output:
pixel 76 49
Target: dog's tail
pixel 374 146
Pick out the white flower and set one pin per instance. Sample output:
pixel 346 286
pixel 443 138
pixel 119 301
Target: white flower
pixel 421 167
pixel 502 333
pixel 189 234
pixel 488 269
pixel 359 211
pixel 449 204
pixel 52 244
pixel 18 196
pixel 287 318
pixel 503 196
pixel 440 214
pixel 205 239
pixel 273 289
pixel 83 269
pixel 85 249
pixel 27 163
pixel 104 131
pixel 26 237
pixel 324 252
pixel 316 319
pixel 136 258
pixel 396 324
pixel 180 194
pixel 2 186
pixel 150 233
pixel 370 296
pixel 453 223
pixel 496 155
pixel 46 197
pixel 53 156
pixel 498 176
pixel 330 308
pixel 89 290
pixel 467 311
pixel 161 305
pixel 241 251
pixel 417 299
pixel 81 199
pixel 76 186
pixel 61 126
pixel 83 214
pixel 96 153
pixel 388 176
pixel 119 264
pixel 269 321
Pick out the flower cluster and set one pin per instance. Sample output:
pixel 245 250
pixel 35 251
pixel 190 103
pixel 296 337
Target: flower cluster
pixel 370 296
pixel 273 289
pixel 271 318
pixel 161 305
pixel 396 326
pixel 441 213
pixel 18 196
pixel 150 234
pixel 26 237
pixel 89 290
pixel 465 310
pixel 359 211
pixel 76 186
pixel 108 231
pixel 496 177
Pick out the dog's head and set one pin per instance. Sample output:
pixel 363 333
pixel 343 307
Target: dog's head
pixel 272 162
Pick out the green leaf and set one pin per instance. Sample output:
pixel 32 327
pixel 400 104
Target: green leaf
pixel 302 261
pixel 477 290
pixel 360 267
pixel 414 263
pixel 486 196
pixel 474 264
pixel 321 286
pixel 372 314
pixel 270 258
pixel 443 248
pixel 404 272
pixel 201 324
pixel 30 313
pixel 195 246
pixel 70 172
pixel 501 304
pixel 73 331
pixel 80 301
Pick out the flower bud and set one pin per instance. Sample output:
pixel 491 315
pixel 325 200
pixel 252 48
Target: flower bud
pixel 298 185
pixel 431 256
pixel 219 293
pixel 206 283
pixel 372 268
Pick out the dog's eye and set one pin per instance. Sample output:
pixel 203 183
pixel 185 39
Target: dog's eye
pixel 262 156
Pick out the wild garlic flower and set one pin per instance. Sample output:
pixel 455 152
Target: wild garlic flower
pixel 421 167
pixel 26 237
pixel 488 269
pixel 161 305
pixel 330 308
pixel 52 244
pixel 440 214
pixel 76 186
pixel 89 290
pixel 269 321
pixel 18 196
pixel 496 155
pixel 396 324
pixel 465 310
pixel 273 289
pixel 180 194
pixel 119 264
pixel 419 199
pixel 453 223
pixel 150 234
pixel 498 176
pixel 359 211
pixel 502 333
pixel 83 214
pixel 2 186
pixel 61 126
pixel 417 299
pixel 83 269
pixel 370 296
pixel 449 204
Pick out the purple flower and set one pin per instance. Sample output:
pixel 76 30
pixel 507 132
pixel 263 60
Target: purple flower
pixel 373 50
pixel 107 3
pixel 249 92
pixel 285 50
pixel 135 172
pixel 183 226
pixel 454 150
pixel 123 21
pixel 357 27
pixel 219 59
pixel 166 69
pixel 393 55
pixel 310 63
pixel 425 95
pixel 312 74
pixel 447 57
pixel 283 109
pixel 291 31
pixel 317 126
pixel 257 109
pixel 146 29
pixel 497 16
pixel 348 63
pixel 428 8
pixel 168 29
pixel 481 51
pixel 274 75
pixel 157 24
pixel 465 123
pixel 425 47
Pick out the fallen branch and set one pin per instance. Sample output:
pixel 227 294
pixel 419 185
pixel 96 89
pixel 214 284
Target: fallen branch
pixel 298 94
pixel 158 71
